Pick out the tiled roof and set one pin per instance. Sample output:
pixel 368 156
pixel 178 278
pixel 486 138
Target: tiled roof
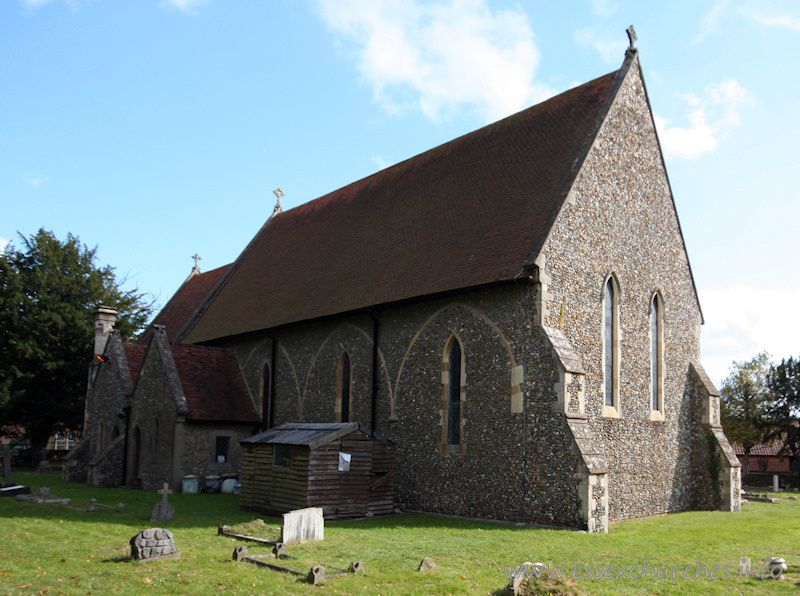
pixel 468 213
pixel 186 300
pixel 212 384
pixel 135 355
pixel 772 449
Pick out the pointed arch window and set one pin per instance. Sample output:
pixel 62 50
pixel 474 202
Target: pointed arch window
pixel 656 358
pixel 611 348
pixel 344 389
pixel 453 378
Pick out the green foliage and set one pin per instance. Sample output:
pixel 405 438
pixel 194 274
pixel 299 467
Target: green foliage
pixel 743 399
pixel 783 382
pixel 48 290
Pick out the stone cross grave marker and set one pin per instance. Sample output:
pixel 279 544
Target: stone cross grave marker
pixel 163 510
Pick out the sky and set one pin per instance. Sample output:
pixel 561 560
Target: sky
pixel 158 129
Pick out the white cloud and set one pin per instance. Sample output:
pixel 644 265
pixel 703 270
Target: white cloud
pixel 32 5
pixel 782 21
pixel 185 6
pixel 773 16
pixel 380 162
pixel 36 180
pixel 710 22
pixel 3 243
pixel 610 47
pixel 438 57
pixel 603 8
pixel 710 117
pixel 741 321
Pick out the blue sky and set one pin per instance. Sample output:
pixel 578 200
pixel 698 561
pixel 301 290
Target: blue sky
pixel 158 129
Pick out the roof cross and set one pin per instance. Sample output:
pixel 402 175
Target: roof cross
pixel 196 258
pixel 631 37
pixel 278 193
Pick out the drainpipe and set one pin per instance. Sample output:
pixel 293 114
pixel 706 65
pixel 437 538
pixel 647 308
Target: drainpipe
pixel 375 368
pixel 273 373
pixel 126 414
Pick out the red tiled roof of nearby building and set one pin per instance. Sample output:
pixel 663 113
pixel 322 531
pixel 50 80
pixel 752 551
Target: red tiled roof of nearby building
pixel 468 213
pixel 135 355
pixel 771 449
pixel 186 300
pixel 212 384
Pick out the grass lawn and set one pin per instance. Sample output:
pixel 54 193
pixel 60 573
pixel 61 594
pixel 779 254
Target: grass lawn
pixel 54 549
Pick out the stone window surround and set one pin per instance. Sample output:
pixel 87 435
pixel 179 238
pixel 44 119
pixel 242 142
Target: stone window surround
pixel 444 447
pixel 657 414
pixel 613 411
pixel 212 449
pixel 340 389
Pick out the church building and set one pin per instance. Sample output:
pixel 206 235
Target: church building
pixel 514 310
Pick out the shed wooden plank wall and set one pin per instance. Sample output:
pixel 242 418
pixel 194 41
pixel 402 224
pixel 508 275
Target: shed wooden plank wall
pixel 345 495
pixel 271 489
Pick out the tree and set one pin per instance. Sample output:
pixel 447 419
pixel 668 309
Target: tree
pixel 743 398
pixel 48 290
pixel 783 412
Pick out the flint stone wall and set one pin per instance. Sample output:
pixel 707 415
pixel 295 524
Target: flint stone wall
pixel 516 466
pixel 620 219
pixel 153 414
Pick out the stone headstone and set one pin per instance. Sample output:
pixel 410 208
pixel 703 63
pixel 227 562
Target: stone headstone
pixel 239 553
pixel 777 567
pixel 44 467
pixel 357 567
pixel 427 564
pixel 153 543
pixel 6 464
pixel 43 491
pixel 303 525
pixel 163 510
pixel 775 483
pixel 229 485
pixel 317 575
pixel 280 550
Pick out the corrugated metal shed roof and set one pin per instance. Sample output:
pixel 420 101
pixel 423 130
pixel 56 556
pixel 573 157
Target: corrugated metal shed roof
pixel 311 434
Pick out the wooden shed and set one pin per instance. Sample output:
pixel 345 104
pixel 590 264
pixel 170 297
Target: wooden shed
pixel 337 466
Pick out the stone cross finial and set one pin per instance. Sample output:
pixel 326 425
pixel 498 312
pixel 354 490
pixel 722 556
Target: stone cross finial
pixel 631 37
pixel 165 491
pixel 278 193
pixel 196 258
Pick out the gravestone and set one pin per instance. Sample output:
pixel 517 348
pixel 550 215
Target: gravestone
pixel 6 464
pixel 427 564
pixel 163 510
pixel 44 465
pixel 8 488
pixel 153 543
pixel 303 525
